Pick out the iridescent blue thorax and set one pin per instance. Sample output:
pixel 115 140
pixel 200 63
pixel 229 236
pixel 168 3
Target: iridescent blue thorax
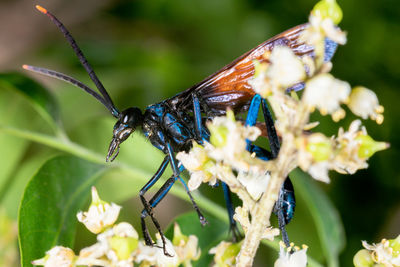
pixel 162 123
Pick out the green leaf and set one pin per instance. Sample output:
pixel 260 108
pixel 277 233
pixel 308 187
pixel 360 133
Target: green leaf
pixel 209 236
pixel 15 190
pixel 47 215
pixel 44 103
pixel 325 216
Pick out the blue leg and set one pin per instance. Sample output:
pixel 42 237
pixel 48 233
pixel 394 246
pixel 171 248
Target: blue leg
pixel 147 209
pixel 201 132
pixel 272 135
pixel 197 118
pixel 252 115
pixel 284 206
pixel 229 206
pixel 251 120
pixel 161 193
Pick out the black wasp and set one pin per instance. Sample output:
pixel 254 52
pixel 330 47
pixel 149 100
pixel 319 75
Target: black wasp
pixel 174 123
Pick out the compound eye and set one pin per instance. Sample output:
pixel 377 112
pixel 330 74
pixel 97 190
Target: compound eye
pixel 125 119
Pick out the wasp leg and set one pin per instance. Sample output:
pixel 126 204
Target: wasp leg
pixel 233 228
pixel 271 131
pixel 157 199
pixel 160 194
pixel 197 118
pixel 177 170
pixel 146 205
pixel 284 207
pixel 148 211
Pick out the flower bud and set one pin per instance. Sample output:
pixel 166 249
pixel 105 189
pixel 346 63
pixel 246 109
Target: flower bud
pixel 225 253
pixel 100 215
pixel 363 259
pixel 185 246
pixel 328 9
pixel 364 103
pixel 369 146
pixel 395 245
pixel 57 256
pixel 218 135
pixel 321 150
pixel 124 241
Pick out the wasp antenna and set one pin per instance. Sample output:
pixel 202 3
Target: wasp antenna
pixel 75 82
pixel 79 54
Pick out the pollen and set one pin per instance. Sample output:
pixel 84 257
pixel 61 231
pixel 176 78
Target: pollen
pixel 41 9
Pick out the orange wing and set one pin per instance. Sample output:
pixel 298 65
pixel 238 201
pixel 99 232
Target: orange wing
pixel 228 87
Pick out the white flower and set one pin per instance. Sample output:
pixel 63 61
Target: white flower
pixel 57 256
pixel 384 253
pixel 347 160
pixel 225 254
pixel 326 93
pixel 154 256
pixel 93 255
pixel 286 68
pixel 256 183
pixel 100 214
pixel 115 247
pixel 186 247
pixel 319 171
pixel 260 83
pixel 199 165
pixel 364 103
pixel 314 155
pixel 319 28
pixel 295 259
pixel 226 151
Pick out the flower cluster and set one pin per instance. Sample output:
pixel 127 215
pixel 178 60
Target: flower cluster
pixel 118 245
pixel 225 158
pixel 386 253
pixel 346 153
pixel 225 255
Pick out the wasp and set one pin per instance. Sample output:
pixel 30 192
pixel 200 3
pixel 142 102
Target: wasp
pixel 173 124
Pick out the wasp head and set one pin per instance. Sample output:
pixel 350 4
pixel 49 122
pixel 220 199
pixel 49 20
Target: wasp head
pixel 128 120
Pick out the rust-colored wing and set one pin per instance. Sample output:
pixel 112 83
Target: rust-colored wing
pixel 228 87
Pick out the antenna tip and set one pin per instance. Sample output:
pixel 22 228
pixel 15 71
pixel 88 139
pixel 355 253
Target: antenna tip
pixel 41 9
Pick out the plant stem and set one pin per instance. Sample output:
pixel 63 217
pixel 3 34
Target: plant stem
pixel 263 209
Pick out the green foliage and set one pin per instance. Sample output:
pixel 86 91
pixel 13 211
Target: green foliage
pixel 52 198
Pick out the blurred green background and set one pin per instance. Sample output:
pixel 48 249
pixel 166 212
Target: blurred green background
pixel 146 51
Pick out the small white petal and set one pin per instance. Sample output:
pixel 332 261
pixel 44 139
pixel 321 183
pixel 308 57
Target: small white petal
pixel 99 216
pixel 286 68
pixel 295 259
pixel 256 184
pixel 57 256
pixel 326 93
pixel 364 103
pixel 125 229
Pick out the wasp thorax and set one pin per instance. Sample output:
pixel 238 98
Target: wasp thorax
pixel 128 120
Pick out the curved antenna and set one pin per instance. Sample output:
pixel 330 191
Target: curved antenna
pixel 80 56
pixel 73 81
